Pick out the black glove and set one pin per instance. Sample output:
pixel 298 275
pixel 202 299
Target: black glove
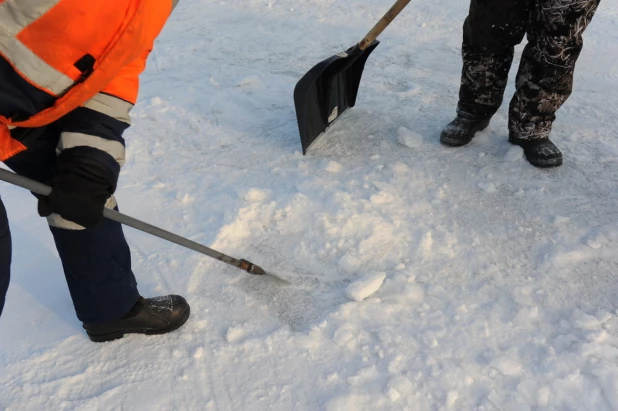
pixel 80 189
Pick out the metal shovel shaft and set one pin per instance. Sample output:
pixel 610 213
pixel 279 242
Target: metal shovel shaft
pixel 45 190
pixel 182 241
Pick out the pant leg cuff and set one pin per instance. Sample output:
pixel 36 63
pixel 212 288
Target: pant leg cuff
pixel 470 113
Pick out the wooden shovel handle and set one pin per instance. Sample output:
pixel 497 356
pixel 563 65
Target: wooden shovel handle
pixel 383 23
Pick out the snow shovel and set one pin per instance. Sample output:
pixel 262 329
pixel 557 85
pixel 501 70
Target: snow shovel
pixel 44 190
pixel 330 88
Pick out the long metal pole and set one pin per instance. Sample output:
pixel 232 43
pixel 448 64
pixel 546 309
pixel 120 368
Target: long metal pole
pixel 44 190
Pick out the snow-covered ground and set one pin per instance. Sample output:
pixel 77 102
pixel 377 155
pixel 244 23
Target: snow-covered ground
pixel 499 283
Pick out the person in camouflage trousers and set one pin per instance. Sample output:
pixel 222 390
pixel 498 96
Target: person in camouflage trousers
pixel 554 30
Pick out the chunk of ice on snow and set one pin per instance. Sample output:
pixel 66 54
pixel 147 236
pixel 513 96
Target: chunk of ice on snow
pixel 587 322
pixel 393 394
pixel 234 334
pixel 451 398
pixel 560 219
pixel 597 241
pixel 349 263
pixel 381 198
pixel 534 394
pixel 409 138
pixel 365 286
pixel 256 195
pixel 249 81
pixel 514 153
pixel 607 378
pixel 331 166
pixel 604 316
pixel 343 335
pixel 507 366
pixel 487 187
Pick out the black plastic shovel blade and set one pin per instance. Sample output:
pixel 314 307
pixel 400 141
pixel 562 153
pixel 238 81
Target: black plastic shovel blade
pixel 327 91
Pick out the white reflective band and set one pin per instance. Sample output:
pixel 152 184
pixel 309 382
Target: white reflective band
pixel 32 67
pixel 15 15
pixel 111 106
pixel 113 148
pixel 55 220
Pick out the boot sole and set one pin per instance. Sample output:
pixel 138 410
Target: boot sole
pixel 119 334
pixel 458 143
pixel 552 163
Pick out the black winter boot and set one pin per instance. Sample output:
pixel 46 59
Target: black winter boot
pixel 540 153
pixel 148 316
pixel 460 131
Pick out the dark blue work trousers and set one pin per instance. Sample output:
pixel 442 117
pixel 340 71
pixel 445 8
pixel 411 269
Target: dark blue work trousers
pixel 96 261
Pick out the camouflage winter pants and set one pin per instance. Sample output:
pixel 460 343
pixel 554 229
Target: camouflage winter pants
pixel 554 30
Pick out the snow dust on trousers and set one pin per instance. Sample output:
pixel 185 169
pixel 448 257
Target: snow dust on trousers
pixel 554 30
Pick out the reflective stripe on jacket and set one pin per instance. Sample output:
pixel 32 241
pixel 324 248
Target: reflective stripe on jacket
pixel 76 63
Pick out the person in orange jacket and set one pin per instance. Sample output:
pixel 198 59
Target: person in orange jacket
pixel 69 75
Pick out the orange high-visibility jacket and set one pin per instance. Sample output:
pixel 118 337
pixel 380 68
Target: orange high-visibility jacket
pixel 74 63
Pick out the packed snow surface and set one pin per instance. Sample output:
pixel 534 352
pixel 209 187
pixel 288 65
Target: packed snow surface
pixel 500 289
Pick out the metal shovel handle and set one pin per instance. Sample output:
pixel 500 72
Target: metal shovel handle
pixel 44 190
pixel 383 23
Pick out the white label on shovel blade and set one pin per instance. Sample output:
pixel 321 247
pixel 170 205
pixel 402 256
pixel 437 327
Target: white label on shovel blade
pixel 334 114
pixel 343 54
